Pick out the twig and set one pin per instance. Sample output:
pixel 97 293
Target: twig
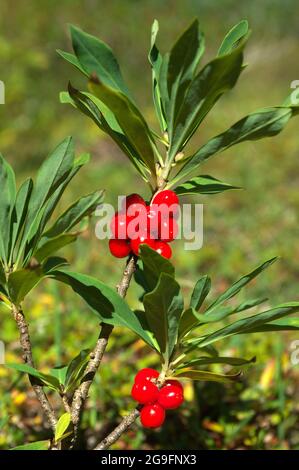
pixel 28 359
pixel 81 393
pixel 118 431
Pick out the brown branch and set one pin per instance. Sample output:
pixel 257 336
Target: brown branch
pixel 96 356
pixel 28 359
pixel 118 431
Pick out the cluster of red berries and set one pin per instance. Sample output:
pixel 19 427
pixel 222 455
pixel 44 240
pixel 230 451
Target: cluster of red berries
pixel 155 400
pixel 139 223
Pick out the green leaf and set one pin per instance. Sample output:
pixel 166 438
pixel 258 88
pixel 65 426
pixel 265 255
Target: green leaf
pixel 233 37
pixel 289 324
pixel 222 312
pixel 103 301
pixel 188 319
pixel 61 426
pixel 45 379
pixel 163 307
pixel 72 59
pixel 231 361
pixel 45 214
pixel 2 275
pixel 97 57
pixel 130 120
pixel 60 373
pixel 200 292
pixel 38 445
pixel 206 376
pixel 102 116
pixel 19 213
pixel 7 200
pixel 207 87
pixel 54 244
pixel 266 122
pixel 155 59
pixel 51 176
pixel 203 184
pixel 187 322
pixel 153 265
pixel 184 58
pixel 75 213
pixel 238 285
pixel 76 368
pixel 21 282
pixel 249 324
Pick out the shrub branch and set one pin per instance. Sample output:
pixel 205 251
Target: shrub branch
pixel 25 343
pixel 96 356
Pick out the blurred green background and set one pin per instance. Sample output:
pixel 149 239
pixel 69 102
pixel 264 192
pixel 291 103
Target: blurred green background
pixel 241 228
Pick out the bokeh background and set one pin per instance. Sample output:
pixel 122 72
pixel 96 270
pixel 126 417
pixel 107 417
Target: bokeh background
pixel 241 228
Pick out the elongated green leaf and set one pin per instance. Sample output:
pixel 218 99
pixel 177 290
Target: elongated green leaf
pixel 38 445
pixel 289 324
pixel 7 200
pixel 60 373
pixel 155 60
pixel 213 80
pixel 45 379
pixel 163 307
pixel 266 122
pixel 231 361
pixel 50 177
pixel 238 285
pixel 233 37
pixel 206 376
pixel 184 58
pixel 154 265
pixel 187 322
pixel 223 312
pixel 21 282
pixel 188 319
pixel 163 83
pixel 61 426
pixel 200 292
pixel 97 57
pixel 46 212
pixel 72 59
pixel 2 275
pixel 103 301
pixel 203 184
pixel 19 213
pixel 106 121
pixel 75 213
pixel 52 245
pixel 76 367
pixel 248 324
pixel 130 120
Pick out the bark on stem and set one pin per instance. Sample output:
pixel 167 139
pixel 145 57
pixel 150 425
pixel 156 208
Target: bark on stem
pixel 28 359
pixel 118 431
pixel 81 393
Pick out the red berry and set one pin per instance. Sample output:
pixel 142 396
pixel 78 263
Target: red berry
pixel 153 220
pixel 145 392
pixel 170 397
pixel 163 249
pixel 146 374
pixel 119 225
pixel 152 416
pixel 168 230
pixel 166 197
pixel 174 383
pixel 119 248
pixel 135 243
pixel 133 201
